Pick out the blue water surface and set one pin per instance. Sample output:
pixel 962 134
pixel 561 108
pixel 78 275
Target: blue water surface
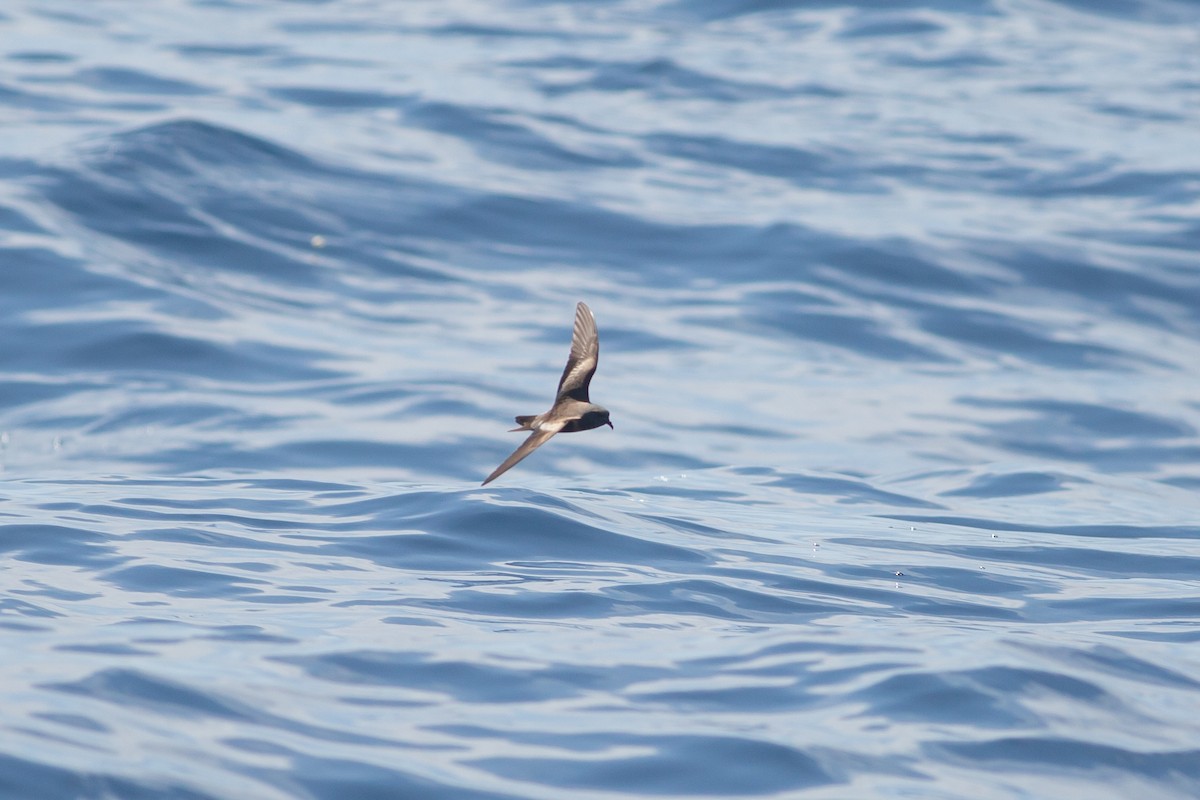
pixel 899 308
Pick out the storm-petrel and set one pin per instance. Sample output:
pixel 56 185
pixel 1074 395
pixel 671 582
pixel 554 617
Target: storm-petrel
pixel 572 410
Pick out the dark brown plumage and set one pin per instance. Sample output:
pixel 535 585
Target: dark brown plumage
pixel 573 410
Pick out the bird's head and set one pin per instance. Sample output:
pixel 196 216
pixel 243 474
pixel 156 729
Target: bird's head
pixel 596 417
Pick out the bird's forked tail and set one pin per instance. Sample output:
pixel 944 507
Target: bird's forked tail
pixel 524 423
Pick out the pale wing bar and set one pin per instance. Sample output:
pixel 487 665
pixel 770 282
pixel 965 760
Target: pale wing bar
pixel 585 356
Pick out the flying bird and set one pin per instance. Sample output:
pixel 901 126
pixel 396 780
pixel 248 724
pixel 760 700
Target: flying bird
pixel 572 410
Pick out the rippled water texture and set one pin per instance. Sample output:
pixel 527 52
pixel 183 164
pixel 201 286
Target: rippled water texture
pixel 899 306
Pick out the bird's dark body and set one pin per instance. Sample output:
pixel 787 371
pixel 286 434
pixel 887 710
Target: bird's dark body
pixel 589 420
pixel 592 419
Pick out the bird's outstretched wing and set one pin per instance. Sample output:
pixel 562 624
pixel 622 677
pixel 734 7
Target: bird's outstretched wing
pixel 585 355
pixel 535 440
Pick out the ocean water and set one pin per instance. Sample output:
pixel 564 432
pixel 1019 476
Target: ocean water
pixel 899 309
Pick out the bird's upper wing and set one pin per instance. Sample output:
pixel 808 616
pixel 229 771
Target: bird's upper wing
pixel 585 355
pixel 535 440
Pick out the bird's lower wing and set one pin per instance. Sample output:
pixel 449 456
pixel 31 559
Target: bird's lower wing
pixel 535 440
